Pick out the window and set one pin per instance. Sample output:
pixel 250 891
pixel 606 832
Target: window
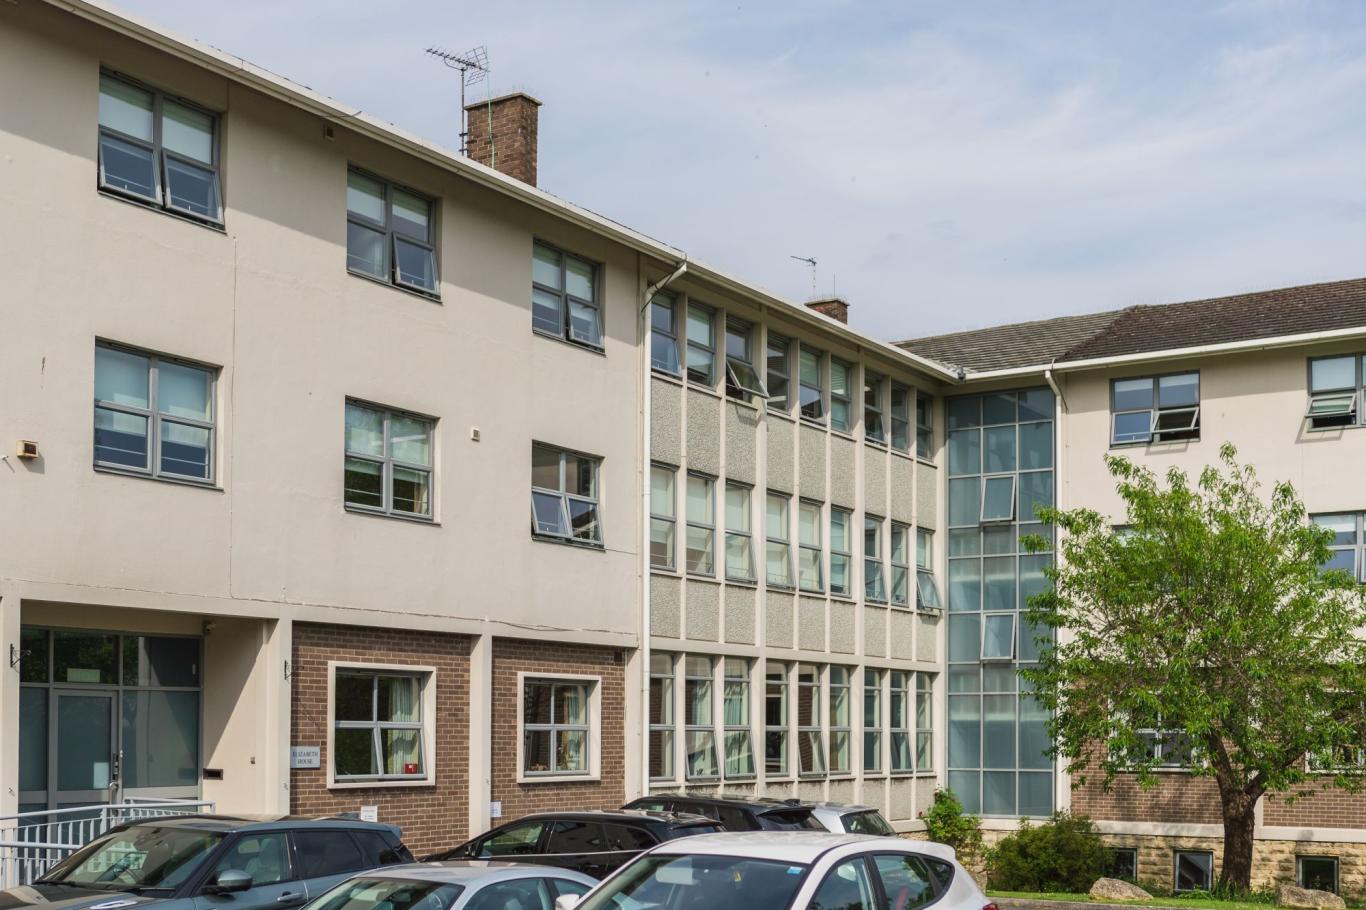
pixel 661 716
pixel 998 498
pixel 1124 863
pixel 1155 409
pixel 810 555
pixel 739 539
pixel 811 388
pixel 663 516
pixel 775 720
pixel 841 396
pixel 322 853
pixel 924 426
pixel 874 414
pixel 840 550
pixel 1319 873
pixel 1193 870
pixel 389 233
pixel 778 554
pixel 839 720
pixel 742 380
pixel 153 416
pixel 998 636
pixel 924 721
pixel 159 150
pixel 907 879
pixel 1335 387
pixel 701 543
pixel 564 495
pixel 555 726
pixel 520 839
pixel 1166 745
pixel 874 584
pixel 901 417
pixel 1348 755
pixel 663 335
pixel 701 733
pixel 701 345
pixel 900 717
pixel 739 735
pixel 1347 551
pixel 525 892
pixel 872 720
pixel 810 743
pixel 388 461
pixel 901 564
pixel 779 374
pixel 265 857
pixel 378 725
pixel 846 887
pixel 564 296
pixel 926 588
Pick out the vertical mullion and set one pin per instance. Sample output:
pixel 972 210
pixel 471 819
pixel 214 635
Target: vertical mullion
pixel 374 726
pixel 154 417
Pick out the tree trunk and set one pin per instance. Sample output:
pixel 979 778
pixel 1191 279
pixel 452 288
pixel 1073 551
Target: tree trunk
pixel 1240 818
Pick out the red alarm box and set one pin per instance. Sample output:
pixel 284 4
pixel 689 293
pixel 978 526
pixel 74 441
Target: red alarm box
pixel 410 767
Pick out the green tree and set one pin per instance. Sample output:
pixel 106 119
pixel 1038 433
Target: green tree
pixel 1209 619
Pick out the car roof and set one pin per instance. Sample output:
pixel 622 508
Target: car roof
pixel 474 872
pixel 624 815
pixel 793 846
pixel 759 803
pixel 229 823
pixel 843 807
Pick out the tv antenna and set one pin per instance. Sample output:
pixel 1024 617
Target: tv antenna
pixel 474 68
pixel 811 262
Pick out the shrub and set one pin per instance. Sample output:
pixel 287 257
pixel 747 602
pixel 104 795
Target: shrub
pixel 1063 854
pixel 946 823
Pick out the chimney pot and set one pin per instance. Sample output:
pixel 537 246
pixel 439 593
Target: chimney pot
pixel 502 134
pixel 836 308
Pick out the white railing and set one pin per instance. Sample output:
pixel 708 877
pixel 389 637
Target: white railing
pixel 33 842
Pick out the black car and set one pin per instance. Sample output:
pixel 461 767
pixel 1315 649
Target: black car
pixel 736 813
pixel 207 862
pixel 594 843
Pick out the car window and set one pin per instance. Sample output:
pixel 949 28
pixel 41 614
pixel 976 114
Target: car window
pixel 388 894
pixel 565 886
pixel 734 819
pixel 663 881
pixel 650 805
pixel 706 809
pixel 866 823
pixel 518 894
pixel 378 851
pixel 625 837
pixel 327 853
pixel 143 857
pixel 790 820
pixel 906 880
pixel 569 836
pixel 690 830
pixel 846 887
pixel 265 857
pixel 515 840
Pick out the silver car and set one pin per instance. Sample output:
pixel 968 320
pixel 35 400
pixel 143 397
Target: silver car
pixel 456 885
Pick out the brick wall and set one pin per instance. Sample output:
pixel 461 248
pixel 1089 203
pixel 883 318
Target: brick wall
pixel 514 656
pixel 432 817
pixel 1317 804
pixel 1176 797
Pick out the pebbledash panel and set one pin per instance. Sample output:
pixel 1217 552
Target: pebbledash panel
pixel 1000 469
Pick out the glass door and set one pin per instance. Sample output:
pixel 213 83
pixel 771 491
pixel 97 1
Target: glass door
pixel 84 757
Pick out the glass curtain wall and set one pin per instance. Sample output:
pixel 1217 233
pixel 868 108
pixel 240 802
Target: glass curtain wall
pixel 1000 466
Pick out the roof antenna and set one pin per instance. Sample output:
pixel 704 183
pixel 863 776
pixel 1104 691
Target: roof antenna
pixel 474 68
pixel 811 262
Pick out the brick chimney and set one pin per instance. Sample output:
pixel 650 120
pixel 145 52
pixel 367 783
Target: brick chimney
pixel 834 307
pixel 502 134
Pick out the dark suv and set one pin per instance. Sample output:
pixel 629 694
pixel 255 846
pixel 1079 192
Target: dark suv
pixel 594 843
pixel 207 862
pixel 737 813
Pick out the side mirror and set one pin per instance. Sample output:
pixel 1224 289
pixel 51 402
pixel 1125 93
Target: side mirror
pixel 230 881
pixel 567 901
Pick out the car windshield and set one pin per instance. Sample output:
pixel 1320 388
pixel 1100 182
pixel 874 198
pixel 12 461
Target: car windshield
pixel 870 822
pixel 659 880
pixel 388 894
pixel 141 858
pixel 790 820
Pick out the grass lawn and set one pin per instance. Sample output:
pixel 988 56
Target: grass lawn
pixel 1195 903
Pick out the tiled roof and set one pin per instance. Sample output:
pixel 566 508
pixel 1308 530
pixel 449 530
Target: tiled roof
pixel 1149 328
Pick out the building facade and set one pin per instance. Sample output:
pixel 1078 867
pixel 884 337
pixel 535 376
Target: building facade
pixel 345 473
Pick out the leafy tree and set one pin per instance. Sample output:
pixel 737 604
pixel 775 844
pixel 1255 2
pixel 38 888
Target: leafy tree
pixel 1210 610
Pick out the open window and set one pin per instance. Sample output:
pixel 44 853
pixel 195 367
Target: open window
pixel 998 636
pixel 1155 409
pixel 998 498
pixel 742 379
pixel 1334 392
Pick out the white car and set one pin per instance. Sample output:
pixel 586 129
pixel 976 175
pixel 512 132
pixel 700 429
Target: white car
pixel 846 819
pixel 787 870
pixel 456 885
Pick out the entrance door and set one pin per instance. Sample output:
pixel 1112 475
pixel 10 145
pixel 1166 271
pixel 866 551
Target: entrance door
pixel 84 758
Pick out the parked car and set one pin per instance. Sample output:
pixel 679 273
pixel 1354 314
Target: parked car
pixel 594 843
pixel 211 863
pixel 778 870
pixel 462 885
pixel 846 819
pixel 737 813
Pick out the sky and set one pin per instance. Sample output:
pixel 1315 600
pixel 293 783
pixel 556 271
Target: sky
pixel 950 165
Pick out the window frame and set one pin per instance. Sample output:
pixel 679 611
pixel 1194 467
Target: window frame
pixel 1013 617
pixel 927 596
pixel 566 299
pixel 1176 867
pixel 388 463
pixel 873 734
pixel 924 426
pixel 744 729
pixel 1319 857
pixel 844 556
pixel 820 415
pixel 873 561
pixel 785 583
pixel 899 723
pixel 847 399
pixel 902 568
pixel 840 681
pixel 1355 414
pixel 426 725
pixel 698 729
pixel 432 244
pixel 667 725
pixel 691 524
pixel 899 416
pixel 806 549
pixel 154 417
pixel 566 498
pixel 778 676
pixel 747 490
pixel 670 520
pixel 591 728
pixel 736 389
pixel 995 518
pixel 1357 548
pixel 1155 411
pixel 809 681
pixel 924 724
pixel 665 302
pixel 710 347
pixel 780 367
pixel 875 424
pixel 159 152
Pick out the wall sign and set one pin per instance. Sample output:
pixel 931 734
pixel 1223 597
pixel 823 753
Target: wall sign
pixel 369 813
pixel 305 756
pixel 495 808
